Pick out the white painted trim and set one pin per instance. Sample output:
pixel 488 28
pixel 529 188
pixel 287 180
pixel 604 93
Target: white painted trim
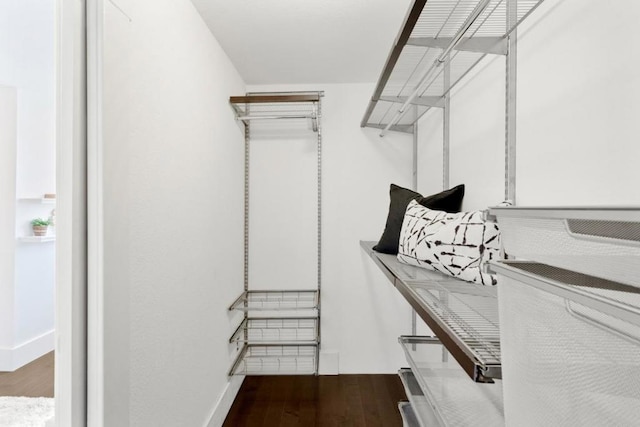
pixel 223 405
pixel 71 247
pixel 15 358
pixel 41 200
pixel 95 236
pixel 329 362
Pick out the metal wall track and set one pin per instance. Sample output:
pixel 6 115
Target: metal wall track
pixel 247 152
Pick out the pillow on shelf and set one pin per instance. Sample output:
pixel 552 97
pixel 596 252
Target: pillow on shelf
pixel 448 201
pixel 456 244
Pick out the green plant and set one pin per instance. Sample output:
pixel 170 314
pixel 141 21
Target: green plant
pixel 39 222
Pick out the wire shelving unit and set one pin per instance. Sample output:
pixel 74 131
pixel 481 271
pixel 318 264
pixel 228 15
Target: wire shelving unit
pixel 280 330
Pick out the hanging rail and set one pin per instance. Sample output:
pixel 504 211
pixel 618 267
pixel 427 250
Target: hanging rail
pixel 306 116
pixel 270 106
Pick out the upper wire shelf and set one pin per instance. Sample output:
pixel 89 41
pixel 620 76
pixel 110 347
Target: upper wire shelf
pixel 459 33
pixel 464 316
pixel 270 106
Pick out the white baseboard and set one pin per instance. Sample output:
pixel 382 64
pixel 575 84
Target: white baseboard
pixel 14 358
pixel 223 405
pixel 329 362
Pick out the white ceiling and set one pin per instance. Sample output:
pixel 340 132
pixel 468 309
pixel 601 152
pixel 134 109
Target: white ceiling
pixel 305 41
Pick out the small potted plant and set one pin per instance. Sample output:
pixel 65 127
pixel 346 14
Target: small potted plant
pixel 40 226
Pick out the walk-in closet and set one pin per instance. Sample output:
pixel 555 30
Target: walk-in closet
pixel 364 213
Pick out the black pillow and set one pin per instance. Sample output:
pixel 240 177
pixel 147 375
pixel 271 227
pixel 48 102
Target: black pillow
pixel 448 201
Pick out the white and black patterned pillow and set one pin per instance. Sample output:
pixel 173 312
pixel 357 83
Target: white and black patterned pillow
pixel 457 244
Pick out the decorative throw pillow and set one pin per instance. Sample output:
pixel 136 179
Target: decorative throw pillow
pixel 457 244
pixel 448 200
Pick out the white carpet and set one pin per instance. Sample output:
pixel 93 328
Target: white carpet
pixel 25 411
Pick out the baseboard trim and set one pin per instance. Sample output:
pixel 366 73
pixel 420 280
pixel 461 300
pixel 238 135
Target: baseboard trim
pixel 15 358
pixel 223 405
pixel 329 362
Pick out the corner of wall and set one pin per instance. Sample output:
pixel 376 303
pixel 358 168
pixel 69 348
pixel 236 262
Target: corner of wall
pixel 223 405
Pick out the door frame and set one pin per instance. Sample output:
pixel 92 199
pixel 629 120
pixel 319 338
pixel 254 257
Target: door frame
pixel 71 224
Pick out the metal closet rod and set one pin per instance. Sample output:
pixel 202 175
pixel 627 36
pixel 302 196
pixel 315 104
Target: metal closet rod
pixel 437 63
pixel 308 116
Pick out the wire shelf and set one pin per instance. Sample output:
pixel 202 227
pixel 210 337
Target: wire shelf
pixel 277 330
pixel 276 300
pixel 454 399
pixel 430 28
pixel 263 359
pixel 468 312
pixel 463 315
pixel 422 409
pixel 408 415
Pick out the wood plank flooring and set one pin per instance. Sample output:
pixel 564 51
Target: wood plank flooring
pixel 32 380
pixel 307 401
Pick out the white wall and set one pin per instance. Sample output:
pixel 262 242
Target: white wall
pixel 576 120
pixel 430 163
pixel 362 314
pixel 172 219
pixel 27 64
pixel 579 104
pixel 8 107
pixel 34 295
pixel 180 194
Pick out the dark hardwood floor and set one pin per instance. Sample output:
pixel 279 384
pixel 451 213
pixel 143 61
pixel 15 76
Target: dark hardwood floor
pixel 32 380
pixel 306 401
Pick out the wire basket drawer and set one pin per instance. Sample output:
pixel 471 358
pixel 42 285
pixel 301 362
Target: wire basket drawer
pixel 272 359
pixel 600 242
pixel 277 330
pixel 276 300
pixel 570 347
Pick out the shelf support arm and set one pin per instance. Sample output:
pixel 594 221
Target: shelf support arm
pixel 494 45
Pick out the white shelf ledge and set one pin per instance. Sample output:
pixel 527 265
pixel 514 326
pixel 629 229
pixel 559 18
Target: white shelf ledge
pixel 42 200
pixel 36 239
